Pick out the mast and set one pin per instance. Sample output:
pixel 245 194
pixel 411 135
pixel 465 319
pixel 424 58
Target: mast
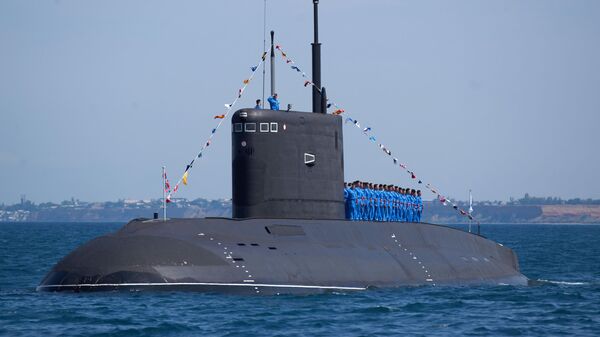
pixel 316 63
pixel 264 49
pixel 164 184
pixel 272 63
pixel 471 211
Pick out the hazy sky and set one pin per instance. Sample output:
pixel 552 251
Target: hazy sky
pixel 499 96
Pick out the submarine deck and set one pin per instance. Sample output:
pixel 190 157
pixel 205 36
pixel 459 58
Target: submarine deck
pixel 282 256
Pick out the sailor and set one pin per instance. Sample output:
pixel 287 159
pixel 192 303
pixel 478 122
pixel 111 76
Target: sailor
pixel 386 203
pixel 273 102
pixel 407 205
pixel 258 106
pixel 351 202
pixel 346 201
pixel 383 206
pixel 367 200
pixel 396 195
pixel 412 203
pixel 420 206
pixel 379 203
pixel 390 203
pixel 399 205
pixel 371 199
pixel 375 202
pixel 360 195
pixel 403 204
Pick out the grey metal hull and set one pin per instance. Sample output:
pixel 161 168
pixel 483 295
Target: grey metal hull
pixel 270 256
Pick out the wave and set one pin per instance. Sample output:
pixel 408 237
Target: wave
pixel 567 283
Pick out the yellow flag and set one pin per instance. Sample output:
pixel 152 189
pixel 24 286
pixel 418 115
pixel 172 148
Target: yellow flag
pixel 184 178
pixel 246 81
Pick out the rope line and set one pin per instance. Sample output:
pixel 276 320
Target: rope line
pixel 367 132
pixel 228 109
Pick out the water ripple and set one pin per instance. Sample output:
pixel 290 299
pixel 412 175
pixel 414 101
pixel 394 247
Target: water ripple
pixel 563 299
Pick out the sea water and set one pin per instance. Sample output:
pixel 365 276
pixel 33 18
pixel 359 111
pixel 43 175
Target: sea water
pixel 563 262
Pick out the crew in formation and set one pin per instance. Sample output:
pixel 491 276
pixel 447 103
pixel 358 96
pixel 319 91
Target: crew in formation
pixel 377 202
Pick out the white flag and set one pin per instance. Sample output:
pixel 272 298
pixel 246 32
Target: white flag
pixel 470 202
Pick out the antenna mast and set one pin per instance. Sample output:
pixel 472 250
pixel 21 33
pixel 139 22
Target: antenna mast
pixel 272 63
pixel 262 102
pixel 316 64
pixel 164 185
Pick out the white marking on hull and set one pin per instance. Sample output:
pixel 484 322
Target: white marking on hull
pixel 415 258
pixel 266 285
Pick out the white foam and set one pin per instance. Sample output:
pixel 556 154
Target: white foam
pixel 565 282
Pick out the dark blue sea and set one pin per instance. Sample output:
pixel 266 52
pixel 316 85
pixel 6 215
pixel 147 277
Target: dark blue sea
pixel 564 299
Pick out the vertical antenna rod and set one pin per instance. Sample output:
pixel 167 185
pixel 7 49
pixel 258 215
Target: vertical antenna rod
pixel 272 63
pixel 262 102
pixel 164 184
pixel 316 63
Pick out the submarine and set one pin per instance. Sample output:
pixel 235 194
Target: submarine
pixel 288 233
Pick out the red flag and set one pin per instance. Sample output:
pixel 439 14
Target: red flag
pixel 338 111
pixel 413 175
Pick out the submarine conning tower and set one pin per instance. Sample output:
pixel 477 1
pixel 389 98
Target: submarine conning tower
pixel 287 165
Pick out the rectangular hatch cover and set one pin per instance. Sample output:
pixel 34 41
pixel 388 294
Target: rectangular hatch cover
pixel 285 230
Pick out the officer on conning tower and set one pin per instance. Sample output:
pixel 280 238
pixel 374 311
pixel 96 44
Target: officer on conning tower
pixel 273 102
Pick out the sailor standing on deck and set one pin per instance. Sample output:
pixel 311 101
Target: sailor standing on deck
pixel 352 201
pixel 390 203
pixel 371 200
pixel 419 206
pixel 403 204
pixel 396 208
pixel 360 196
pixel 258 107
pixel 412 203
pixel 346 201
pixel 273 102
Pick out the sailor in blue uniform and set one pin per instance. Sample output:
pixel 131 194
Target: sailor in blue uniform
pixel 346 201
pixel 273 102
pixel 370 202
pixel 358 193
pixel 385 204
pixel 362 197
pixel 378 203
pixel 352 202
pixel 396 208
pixel 403 202
pixel 411 206
pixel 390 203
pixel 419 206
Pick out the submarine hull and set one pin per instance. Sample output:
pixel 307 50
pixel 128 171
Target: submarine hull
pixel 272 256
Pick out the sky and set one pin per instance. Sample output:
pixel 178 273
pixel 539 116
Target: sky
pixel 501 97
